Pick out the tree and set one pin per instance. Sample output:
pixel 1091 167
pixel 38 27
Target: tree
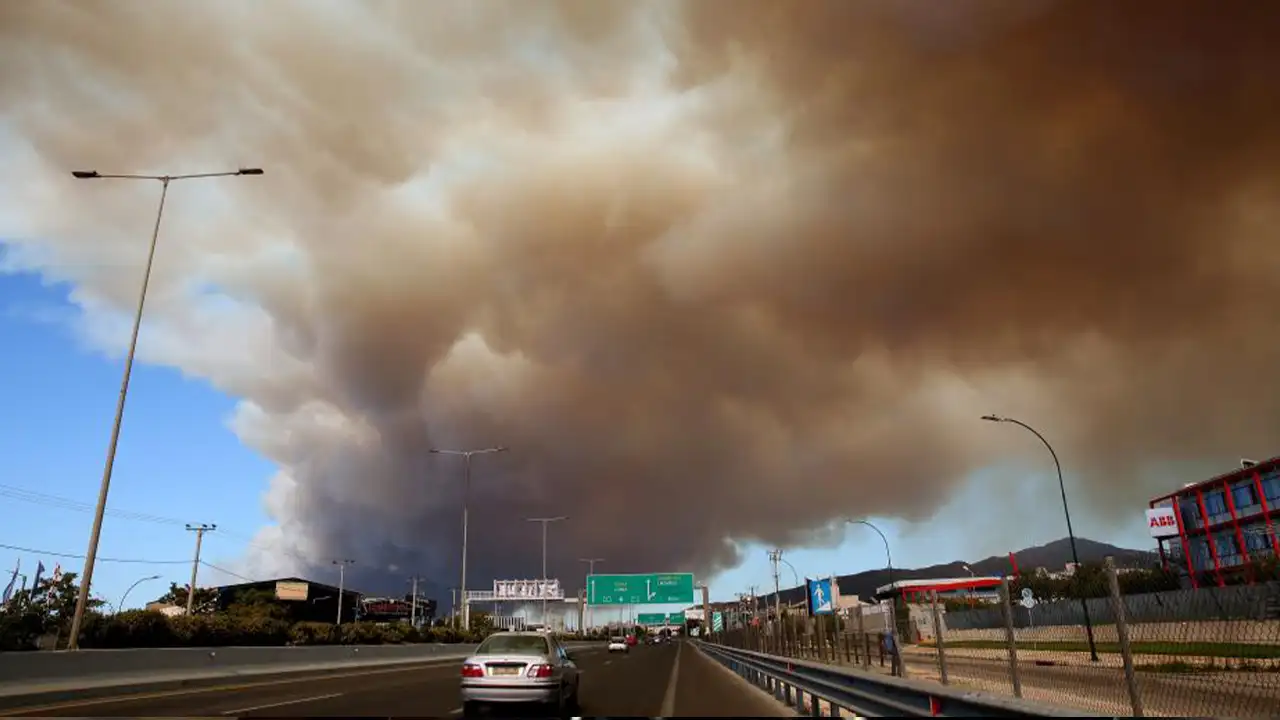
pixel 257 604
pixel 43 610
pixel 206 598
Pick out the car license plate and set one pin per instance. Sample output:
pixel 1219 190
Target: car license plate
pixel 506 671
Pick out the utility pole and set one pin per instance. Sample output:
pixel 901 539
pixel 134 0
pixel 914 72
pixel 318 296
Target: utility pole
pixel 775 556
pixel 588 615
pixel 199 530
pixel 342 584
pixel 706 613
pixel 413 601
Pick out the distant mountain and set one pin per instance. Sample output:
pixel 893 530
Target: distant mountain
pixel 1051 556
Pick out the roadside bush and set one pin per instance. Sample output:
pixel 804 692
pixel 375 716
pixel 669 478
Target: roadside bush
pixel 313 633
pixel 362 634
pixel 149 629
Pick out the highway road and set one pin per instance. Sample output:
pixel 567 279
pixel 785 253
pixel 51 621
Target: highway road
pixel 675 680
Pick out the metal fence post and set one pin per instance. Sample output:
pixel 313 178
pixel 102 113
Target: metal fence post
pixel 938 641
pixel 1122 636
pixel 863 650
pixel 1010 639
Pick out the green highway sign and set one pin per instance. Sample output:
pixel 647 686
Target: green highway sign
pixel 717 622
pixel 676 618
pixel 648 589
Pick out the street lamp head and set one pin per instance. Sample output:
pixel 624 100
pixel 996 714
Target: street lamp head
pixel 84 174
pixel 993 418
pixel 249 171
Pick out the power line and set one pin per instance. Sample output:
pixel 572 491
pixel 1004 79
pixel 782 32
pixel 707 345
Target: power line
pixel 225 571
pixel 37 551
pixel 65 503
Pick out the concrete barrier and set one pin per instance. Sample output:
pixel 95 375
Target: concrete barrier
pixel 47 667
pixel 19 669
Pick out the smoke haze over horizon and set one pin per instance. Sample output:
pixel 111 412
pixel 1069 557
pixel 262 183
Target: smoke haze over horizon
pixel 774 260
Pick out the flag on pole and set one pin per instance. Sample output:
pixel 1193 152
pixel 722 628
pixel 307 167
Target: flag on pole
pixel 53 581
pixel 35 583
pixel 8 589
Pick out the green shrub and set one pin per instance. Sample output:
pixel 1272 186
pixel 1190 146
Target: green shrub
pixel 313 633
pixel 148 629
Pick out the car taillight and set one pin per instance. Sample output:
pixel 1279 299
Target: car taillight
pixel 472 671
pixel 540 671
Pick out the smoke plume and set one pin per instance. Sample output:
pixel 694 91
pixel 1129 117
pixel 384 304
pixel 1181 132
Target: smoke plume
pixel 713 271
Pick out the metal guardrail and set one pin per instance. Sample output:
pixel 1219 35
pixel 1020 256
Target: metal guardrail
pixel 845 692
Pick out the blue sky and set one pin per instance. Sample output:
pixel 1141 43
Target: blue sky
pixel 179 462
pixel 176 461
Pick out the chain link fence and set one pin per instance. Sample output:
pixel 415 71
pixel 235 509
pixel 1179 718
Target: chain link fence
pixel 1148 647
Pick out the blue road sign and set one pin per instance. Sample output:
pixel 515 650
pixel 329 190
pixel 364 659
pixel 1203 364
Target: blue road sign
pixel 820 600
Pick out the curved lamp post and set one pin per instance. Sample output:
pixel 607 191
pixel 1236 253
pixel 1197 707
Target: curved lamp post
pixel 1066 510
pixel 135 584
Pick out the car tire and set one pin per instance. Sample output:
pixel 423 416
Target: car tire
pixel 573 708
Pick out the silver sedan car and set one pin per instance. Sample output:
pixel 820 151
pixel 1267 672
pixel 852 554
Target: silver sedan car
pixel 520 667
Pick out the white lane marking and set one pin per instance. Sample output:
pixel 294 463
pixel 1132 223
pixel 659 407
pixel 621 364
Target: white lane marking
pixel 242 711
pixel 456 711
pixel 669 701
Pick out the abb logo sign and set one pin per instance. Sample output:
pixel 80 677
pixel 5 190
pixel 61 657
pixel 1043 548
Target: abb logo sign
pixel 1162 522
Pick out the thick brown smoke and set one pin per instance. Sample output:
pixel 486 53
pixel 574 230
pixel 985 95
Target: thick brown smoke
pixel 758 264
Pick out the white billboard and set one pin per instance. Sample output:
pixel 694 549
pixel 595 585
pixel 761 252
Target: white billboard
pixel 527 590
pixel 286 590
pixel 1162 522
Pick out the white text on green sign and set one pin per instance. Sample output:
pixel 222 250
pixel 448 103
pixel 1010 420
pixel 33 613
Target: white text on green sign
pixel 648 589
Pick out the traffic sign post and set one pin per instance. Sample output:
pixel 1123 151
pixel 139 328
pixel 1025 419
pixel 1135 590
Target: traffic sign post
pixel 821 601
pixel 647 589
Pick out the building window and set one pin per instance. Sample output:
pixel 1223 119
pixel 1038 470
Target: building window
pixel 1201 558
pixel 1271 486
pixel 1191 514
pixel 1215 506
pixel 1228 551
pixel 1256 538
pixel 1244 496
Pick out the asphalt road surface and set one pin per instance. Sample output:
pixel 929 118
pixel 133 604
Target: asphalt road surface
pixel 674 680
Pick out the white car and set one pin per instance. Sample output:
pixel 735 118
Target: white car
pixel 618 644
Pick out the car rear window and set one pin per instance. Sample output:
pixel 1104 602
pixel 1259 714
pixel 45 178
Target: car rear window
pixel 498 644
pixel 617 639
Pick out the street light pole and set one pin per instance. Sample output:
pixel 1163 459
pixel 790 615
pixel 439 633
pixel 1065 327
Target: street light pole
pixel 342 585
pixel 1066 510
pixel 466 511
pixel 893 599
pixel 591 570
pixel 545 522
pixel 135 584
pixel 91 555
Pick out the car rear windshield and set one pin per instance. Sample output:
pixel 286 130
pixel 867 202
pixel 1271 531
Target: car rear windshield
pixel 617 639
pixel 499 644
